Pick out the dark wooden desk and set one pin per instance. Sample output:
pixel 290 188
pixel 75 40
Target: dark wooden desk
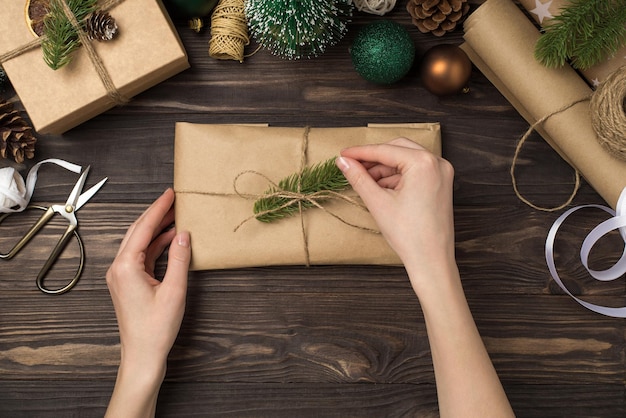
pixel 320 341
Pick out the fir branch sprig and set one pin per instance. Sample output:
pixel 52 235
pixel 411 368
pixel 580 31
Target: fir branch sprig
pixel 61 37
pixel 585 33
pixel 324 176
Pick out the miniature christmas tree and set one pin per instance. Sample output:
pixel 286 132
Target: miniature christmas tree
pixel 296 29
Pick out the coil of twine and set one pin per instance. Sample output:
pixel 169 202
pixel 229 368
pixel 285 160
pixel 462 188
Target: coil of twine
pixel 608 113
pixel 229 31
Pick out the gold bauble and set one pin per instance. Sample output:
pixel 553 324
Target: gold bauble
pixel 445 69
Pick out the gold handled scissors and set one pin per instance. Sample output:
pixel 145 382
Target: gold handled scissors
pixel 75 201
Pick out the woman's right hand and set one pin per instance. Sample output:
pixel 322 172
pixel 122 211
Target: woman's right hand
pixel 408 191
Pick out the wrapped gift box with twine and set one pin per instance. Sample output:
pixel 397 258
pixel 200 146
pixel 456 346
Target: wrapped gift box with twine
pixel 220 170
pixel 101 75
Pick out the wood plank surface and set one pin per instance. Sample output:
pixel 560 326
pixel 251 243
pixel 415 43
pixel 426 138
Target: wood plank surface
pixel 324 341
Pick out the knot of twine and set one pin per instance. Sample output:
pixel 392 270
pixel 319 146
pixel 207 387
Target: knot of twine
pixel 229 31
pixel 608 117
pixel 608 113
pixel 297 197
pixel 313 198
pixel 377 7
pixel 104 75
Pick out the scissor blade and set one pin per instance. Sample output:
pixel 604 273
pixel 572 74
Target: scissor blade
pixel 84 198
pixel 78 187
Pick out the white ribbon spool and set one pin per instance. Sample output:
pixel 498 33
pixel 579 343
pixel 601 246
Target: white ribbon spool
pixel 15 194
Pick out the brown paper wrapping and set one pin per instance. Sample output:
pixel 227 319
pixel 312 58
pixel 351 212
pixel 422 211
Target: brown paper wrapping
pixel 500 41
pixel 209 157
pixel 146 51
pixel 594 75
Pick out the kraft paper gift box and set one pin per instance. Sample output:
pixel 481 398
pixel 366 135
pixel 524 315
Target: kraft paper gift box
pixel 145 52
pixel 209 158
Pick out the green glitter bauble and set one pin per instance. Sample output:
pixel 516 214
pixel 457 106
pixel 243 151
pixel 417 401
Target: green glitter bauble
pixel 383 52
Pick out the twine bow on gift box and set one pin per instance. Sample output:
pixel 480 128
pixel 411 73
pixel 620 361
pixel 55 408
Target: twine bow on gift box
pixel 281 200
pixel 104 75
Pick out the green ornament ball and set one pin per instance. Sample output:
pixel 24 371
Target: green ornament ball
pixel 383 52
pixel 191 8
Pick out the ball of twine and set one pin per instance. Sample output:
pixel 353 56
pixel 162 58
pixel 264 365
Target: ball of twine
pixel 608 113
pixel 229 31
pixel 377 7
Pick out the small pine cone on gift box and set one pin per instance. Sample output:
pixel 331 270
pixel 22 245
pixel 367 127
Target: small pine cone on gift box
pixel 16 135
pixel 100 26
pixel 437 16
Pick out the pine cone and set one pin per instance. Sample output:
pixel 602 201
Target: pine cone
pixel 17 139
pixel 437 16
pixel 100 26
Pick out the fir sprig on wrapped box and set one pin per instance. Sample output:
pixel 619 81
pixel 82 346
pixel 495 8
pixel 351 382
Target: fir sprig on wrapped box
pixel 324 176
pixel 61 38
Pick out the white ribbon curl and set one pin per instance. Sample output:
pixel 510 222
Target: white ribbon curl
pixel 617 222
pixel 15 194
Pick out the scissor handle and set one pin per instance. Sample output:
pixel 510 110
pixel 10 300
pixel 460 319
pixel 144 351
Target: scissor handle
pixel 49 213
pixel 56 252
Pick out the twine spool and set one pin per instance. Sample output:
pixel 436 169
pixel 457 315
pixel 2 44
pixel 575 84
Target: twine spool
pixel 229 31
pixel 376 7
pixel 608 113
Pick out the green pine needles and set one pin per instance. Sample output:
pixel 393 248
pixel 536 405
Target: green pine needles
pixel 295 29
pixel 585 33
pixel 324 176
pixel 61 37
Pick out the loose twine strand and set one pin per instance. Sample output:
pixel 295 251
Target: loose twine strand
pixel 520 144
pixel 296 197
pixel 104 75
pixel 229 31
pixel 608 117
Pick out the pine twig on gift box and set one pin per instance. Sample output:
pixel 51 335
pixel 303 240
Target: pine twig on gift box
pixel 324 176
pixel 61 37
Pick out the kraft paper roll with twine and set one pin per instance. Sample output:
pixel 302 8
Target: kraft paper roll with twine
pixel 500 40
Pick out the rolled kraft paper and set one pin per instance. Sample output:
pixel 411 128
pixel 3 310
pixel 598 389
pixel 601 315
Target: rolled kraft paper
pixel 500 40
